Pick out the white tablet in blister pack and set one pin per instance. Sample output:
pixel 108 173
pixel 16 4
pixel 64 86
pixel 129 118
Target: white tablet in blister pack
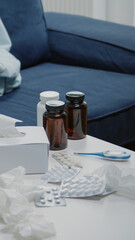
pixel 82 187
pixel 64 158
pixel 50 197
pixel 59 173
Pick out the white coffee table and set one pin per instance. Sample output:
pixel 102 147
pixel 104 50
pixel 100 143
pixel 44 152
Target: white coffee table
pixel 109 218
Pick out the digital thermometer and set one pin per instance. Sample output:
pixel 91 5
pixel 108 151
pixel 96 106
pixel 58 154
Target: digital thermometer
pixel 110 155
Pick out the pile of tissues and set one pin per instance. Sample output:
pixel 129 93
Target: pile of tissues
pixel 18 216
pixel 120 180
pixel 18 219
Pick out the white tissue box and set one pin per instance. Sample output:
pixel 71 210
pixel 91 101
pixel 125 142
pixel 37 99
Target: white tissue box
pixel 30 151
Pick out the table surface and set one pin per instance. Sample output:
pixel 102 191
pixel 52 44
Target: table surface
pixel 110 217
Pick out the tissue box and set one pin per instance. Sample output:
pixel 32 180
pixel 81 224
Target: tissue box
pixel 30 151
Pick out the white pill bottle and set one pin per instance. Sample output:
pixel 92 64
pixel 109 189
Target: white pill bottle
pixel 44 97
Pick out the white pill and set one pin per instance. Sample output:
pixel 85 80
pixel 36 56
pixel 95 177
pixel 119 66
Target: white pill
pixel 81 185
pixel 79 192
pixel 49 199
pixel 55 192
pixel 56 197
pixel 40 187
pixel 66 185
pixel 82 180
pixel 57 201
pixel 54 189
pixel 66 180
pixel 48 191
pixel 74 180
pixel 56 155
pixel 63 191
pixel 99 184
pixel 73 185
pixel 42 197
pixel 72 191
pixel 95 189
pixel 59 158
pixel 88 191
pixel 42 201
pixel 63 153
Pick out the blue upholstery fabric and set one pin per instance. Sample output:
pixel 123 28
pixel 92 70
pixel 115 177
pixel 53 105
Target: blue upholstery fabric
pixel 95 44
pixel 25 23
pixel 109 95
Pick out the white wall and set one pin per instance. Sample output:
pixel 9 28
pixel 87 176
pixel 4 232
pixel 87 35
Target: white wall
pixel 81 7
pixel 99 8
pixel 120 11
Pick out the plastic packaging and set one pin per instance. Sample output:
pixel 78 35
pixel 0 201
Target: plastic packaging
pixel 64 158
pixel 84 187
pixel 59 173
pixel 55 124
pixel 50 198
pixel 76 110
pixel 44 97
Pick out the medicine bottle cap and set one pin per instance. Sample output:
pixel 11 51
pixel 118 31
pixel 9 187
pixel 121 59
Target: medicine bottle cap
pixel 75 96
pixel 55 105
pixel 49 95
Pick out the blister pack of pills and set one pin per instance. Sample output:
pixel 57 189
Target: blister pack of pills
pixel 64 158
pixel 82 187
pixel 50 197
pixel 59 173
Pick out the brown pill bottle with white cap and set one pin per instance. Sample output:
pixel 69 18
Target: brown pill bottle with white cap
pixel 76 109
pixel 55 124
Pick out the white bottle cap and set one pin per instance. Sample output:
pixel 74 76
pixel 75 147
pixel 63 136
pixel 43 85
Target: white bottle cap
pixel 49 95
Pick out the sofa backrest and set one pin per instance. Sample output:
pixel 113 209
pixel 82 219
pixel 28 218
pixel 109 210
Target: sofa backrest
pixel 26 26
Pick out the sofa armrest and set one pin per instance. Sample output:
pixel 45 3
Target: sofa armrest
pixel 87 42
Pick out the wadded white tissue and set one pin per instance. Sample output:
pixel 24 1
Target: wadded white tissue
pixel 120 180
pixel 17 213
pixel 7 127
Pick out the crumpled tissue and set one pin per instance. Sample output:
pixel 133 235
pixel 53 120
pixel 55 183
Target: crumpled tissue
pixel 120 180
pixel 7 127
pixel 17 213
pixel 5 42
pixel 10 76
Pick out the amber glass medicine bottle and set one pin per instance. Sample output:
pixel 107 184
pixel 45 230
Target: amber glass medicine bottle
pixel 55 124
pixel 76 109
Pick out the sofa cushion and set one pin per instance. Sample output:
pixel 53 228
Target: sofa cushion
pixel 95 43
pixel 110 98
pixel 25 23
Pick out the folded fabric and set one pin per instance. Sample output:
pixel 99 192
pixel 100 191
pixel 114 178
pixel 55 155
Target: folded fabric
pixel 10 77
pixel 5 41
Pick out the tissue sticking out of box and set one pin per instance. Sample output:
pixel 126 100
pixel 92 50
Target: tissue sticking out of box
pixel 7 127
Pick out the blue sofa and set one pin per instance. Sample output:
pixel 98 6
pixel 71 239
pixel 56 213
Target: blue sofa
pixel 65 52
